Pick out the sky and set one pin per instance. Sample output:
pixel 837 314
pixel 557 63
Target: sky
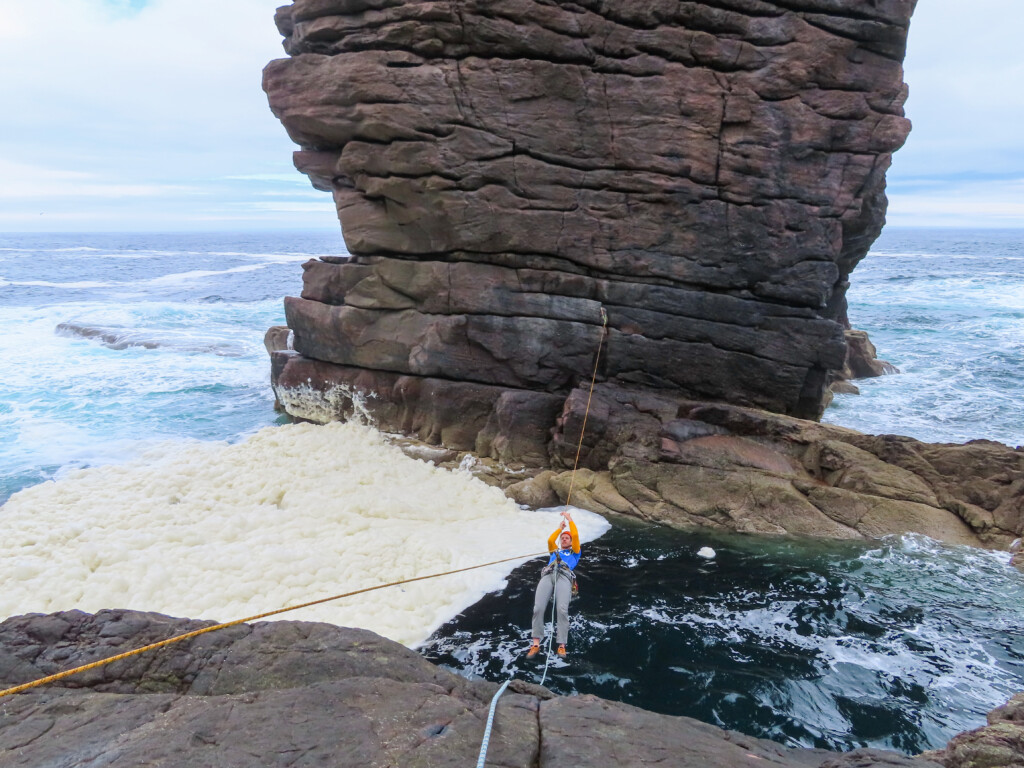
pixel 148 115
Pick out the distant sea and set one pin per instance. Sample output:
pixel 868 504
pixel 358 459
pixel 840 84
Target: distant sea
pixel 112 344
pixel 946 307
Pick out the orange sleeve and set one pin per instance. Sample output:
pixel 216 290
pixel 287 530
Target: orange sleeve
pixel 575 537
pixel 552 539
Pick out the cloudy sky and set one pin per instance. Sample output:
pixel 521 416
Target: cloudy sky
pixel 148 115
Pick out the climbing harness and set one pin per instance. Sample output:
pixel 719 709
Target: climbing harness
pixel 563 570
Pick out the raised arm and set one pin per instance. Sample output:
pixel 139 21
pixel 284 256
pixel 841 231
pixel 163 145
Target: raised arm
pixel 553 539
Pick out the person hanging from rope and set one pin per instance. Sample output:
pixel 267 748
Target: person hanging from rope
pixel 558 578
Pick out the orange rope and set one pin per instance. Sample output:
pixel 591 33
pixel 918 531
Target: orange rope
pixel 204 630
pixel 583 429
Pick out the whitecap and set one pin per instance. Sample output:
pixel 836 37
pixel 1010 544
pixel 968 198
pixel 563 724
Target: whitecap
pixel 197 274
pixel 74 284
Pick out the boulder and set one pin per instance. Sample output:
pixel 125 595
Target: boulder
pixel 689 463
pixel 300 693
pixel 535 492
pixel 997 745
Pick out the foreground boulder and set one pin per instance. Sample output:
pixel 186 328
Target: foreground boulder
pixel 997 745
pixel 297 693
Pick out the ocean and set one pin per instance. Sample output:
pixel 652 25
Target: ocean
pixel 143 466
pixel 946 307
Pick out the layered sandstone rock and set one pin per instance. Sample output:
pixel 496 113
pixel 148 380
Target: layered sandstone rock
pixel 690 464
pixel 706 173
pixel 679 190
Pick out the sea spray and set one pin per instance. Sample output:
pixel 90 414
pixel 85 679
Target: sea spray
pixel 294 513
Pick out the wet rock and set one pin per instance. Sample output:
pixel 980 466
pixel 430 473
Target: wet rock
pixel 535 492
pixel 1000 744
pixel 277 338
pixel 862 358
pixel 592 490
pixel 688 464
pixel 1010 712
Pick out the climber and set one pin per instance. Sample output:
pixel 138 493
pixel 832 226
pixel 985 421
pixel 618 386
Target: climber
pixel 559 578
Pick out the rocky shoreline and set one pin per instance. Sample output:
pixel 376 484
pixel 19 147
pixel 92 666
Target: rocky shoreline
pixel 680 190
pixel 673 461
pixel 299 693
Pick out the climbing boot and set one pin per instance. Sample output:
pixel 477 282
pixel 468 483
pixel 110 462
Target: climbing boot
pixel 534 650
pixel 561 650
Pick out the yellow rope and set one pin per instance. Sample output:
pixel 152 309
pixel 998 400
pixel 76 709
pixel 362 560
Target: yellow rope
pixel 204 630
pixel 583 429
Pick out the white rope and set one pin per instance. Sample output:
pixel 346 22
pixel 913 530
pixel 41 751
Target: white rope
pixel 490 721
pixel 482 758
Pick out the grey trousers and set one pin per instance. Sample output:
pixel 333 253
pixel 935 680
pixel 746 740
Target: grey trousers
pixel 563 594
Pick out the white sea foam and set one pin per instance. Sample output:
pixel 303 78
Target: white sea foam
pixel 201 273
pixel 292 514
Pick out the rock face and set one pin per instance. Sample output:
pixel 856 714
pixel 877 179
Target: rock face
pixel 706 173
pixel 677 191
pixel 684 463
pixel 690 464
pixel 294 693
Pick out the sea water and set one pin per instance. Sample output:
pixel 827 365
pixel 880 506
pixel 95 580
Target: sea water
pixel 139 428
pixel 145 467
pixel 946 307
pixel 898 644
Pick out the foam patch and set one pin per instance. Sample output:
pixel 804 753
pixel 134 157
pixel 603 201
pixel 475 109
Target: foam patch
pixel 294 513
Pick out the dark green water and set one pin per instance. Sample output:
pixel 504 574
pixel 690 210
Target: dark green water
pixel 898 644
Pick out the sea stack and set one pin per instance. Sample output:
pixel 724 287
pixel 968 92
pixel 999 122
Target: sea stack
pixel 704 176
pixel 708 173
